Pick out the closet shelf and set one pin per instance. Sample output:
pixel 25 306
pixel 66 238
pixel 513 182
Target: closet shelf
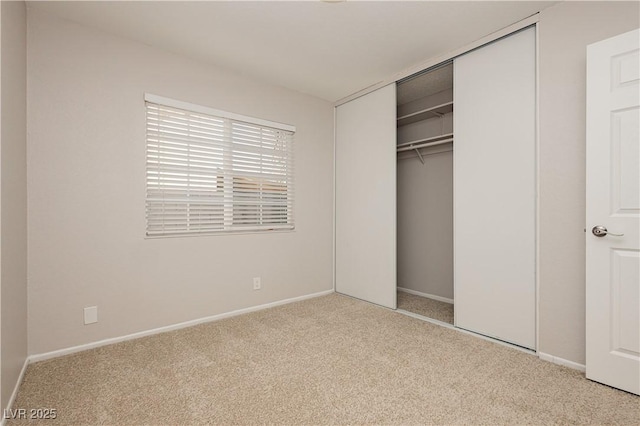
pixel 421 143
pixel 436 111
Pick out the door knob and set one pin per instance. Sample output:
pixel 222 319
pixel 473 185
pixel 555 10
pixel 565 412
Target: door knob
pixel 601 231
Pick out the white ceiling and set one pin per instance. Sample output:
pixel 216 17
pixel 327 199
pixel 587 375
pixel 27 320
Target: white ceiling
pixel 329 50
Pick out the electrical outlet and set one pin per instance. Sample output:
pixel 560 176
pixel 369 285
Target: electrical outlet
pixel 90 315
pixel 257 285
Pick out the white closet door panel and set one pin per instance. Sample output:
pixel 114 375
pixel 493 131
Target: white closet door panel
pixel 494 189
pixel 366 197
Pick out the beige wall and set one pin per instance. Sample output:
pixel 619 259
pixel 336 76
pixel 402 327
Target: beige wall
pixel 425 222
pixel 86 215
pixel 86 158
pixel 13 196
pixel 564 32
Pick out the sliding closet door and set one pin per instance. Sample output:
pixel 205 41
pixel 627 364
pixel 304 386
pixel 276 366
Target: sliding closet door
pixel 494 189
pixel 366 197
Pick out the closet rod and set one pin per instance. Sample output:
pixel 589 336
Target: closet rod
pixel 426 154
pixel 423 145
pixel 434 138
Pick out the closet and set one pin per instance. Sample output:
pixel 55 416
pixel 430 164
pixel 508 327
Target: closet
pixel 425 146
pixel 436 190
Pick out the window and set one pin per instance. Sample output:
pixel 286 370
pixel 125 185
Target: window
pixel 210 171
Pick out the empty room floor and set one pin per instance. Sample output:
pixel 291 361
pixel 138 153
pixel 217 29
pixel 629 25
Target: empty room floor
pixel 328 360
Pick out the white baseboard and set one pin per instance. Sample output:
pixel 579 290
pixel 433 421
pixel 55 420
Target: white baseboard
pixel 12 399
pixel 427 295
pixel 112 340
pixel 562 361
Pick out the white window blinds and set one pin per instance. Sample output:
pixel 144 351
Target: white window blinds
pixel 209 171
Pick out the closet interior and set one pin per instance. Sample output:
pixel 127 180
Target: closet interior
pixel 425 144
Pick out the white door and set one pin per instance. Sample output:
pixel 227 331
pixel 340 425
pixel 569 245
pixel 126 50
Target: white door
pixel 494 189
pixel 366 197
pixel 613 203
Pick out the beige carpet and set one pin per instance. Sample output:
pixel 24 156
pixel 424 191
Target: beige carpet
pixel 330 360
pixel 429 308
